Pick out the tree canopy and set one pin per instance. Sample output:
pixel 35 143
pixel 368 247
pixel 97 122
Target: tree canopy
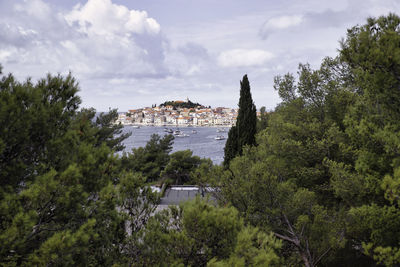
pixel 324 173
pixel 181 104
pixel 58 173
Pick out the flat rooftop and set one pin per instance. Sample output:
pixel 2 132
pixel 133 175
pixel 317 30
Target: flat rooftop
pixel 175 195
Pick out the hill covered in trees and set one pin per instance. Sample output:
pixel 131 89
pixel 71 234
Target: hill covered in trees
pixel 181 104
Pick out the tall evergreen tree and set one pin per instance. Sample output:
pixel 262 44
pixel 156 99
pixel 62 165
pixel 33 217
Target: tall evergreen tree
pixel 246 124
pixel 230 150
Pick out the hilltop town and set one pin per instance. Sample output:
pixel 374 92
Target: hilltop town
pixel 179 113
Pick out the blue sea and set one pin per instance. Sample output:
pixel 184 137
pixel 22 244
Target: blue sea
pixel 202 143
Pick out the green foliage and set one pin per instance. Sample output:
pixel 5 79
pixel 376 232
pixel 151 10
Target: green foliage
pixel 30 117
pixel 387 256
pixel 286 87
pixel 379 225
pixel 253 248
pixel 180 166
pixel 391 185
pixel 372 51
pixel 284 183
pixel 181 104
pixel 292 213
pixel 198 232
pixel 151 159
pixel 262 122
pixel 58 172
pixel 136 204
pixel 205 173
pixel 109 132
pixel 246 124
pixel 60 249
pixel 230 149
pixel 136 201
pixel 324 176
pixel 247 117
pixel 214 229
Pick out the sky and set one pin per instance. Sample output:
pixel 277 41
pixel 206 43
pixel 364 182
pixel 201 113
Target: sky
pixel 131 54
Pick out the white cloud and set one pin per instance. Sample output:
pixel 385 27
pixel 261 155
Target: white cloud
pixel 283 22
pixel 121 50
pixel 187 60
pixel 105 18
pixel 244 58
pixel 35 8
pixel 97 39
pixel 4 54
pixel 280 23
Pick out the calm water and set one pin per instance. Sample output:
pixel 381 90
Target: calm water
pixel 203 143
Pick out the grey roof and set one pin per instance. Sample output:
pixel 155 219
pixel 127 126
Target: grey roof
pixel 178 194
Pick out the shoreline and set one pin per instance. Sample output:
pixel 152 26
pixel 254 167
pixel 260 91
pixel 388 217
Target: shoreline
pixel 177 126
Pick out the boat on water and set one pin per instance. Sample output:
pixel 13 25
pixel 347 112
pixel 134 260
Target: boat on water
pixel 182 135
pixel 220 130
pixel 220 137
pixel 194 132
pixel 177 132
pixel 136 126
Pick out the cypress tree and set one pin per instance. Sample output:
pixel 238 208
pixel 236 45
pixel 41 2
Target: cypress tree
pixel 246 124
pixel 230 150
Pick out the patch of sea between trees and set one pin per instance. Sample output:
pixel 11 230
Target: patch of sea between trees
pixel 202 141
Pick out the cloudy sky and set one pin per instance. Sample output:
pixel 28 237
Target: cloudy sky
pixel 129 54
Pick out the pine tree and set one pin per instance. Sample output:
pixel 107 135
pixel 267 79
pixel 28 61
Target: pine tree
pixel 246 124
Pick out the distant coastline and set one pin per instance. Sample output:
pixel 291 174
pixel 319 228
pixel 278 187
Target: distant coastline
pixel 177 126
pixel 179 116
